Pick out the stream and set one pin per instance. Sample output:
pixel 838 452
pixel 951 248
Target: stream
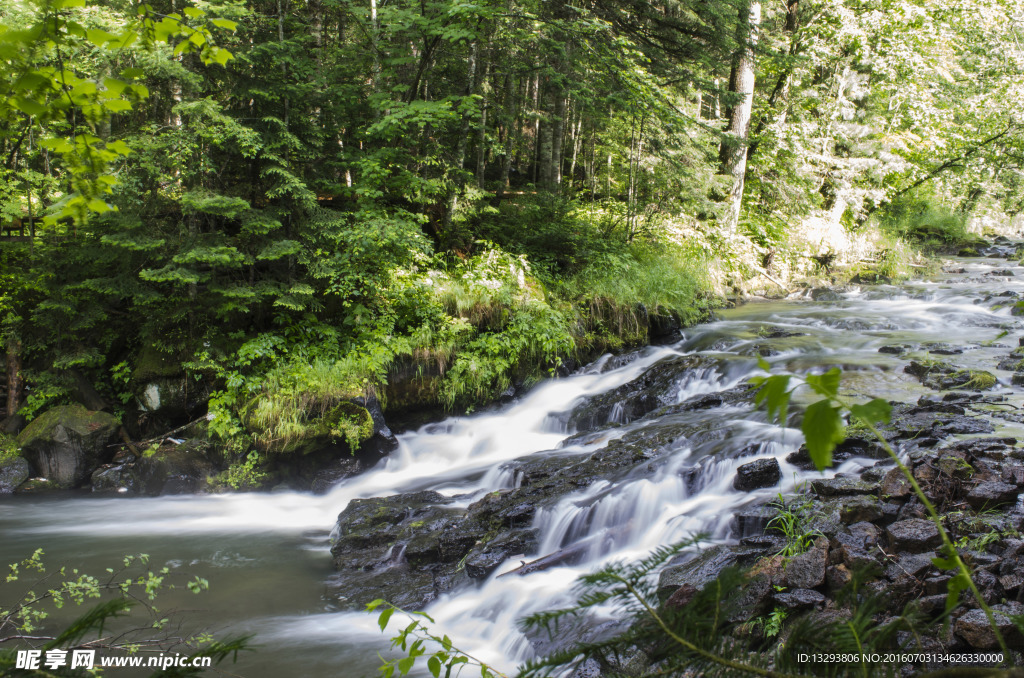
pixel 267 555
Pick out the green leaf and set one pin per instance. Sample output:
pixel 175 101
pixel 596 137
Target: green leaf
pixel 119 147
pixel 99 37
pixel 29 106
pixel 193 12
pixel 774 393
pixel 226 24
pixel 956 585
pixel 118 105
pixel 374 604
pixel 114 86
pixel 406 665
pixel 132 73
pixel 872 412
pixel 823 430
pixel 382 621
pixel 825 384
pixel 434 666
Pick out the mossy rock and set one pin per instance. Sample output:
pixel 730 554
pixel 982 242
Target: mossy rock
pixel 67 443
pixel 153 364
pixel 1017 308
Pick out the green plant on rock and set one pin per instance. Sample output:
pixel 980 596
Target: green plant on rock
pixel 792 520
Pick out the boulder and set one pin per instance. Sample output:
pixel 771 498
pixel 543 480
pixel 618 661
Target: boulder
pixel 800 599
pixel 67 443
pixel 116 479
pixel 704 567
pixel 992 493
pixel 807 570
pixel 13 472
pixel 757 474
pixel 973 627
pixel 913 535
pixel 842 487
pixel 176 469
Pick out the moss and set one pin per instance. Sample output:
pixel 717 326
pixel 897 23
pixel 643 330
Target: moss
pixel 977 380
pixel 8 447
pixel 1017 308
pixel 74 417
pixel 151 364
pixel 346 422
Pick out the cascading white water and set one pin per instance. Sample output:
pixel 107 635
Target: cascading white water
pixel 252 544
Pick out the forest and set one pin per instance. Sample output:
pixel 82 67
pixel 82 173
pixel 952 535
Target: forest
pixel 279 230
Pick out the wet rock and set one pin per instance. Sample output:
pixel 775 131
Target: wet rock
pixel 860 509
pixel 67 443
pixel 36 486
pixel 753 520
pixel 838 576
pixel 656 387
pixel 992 493
pixel 807 570
pixel 910 565
pixel 176 469
pixel 325 479
pixel 896 349
pixel 486 557
pixel 943 349
pixel 116 479
pixel 381 441
pixel 914 535
pixel 757 474
pixel 799 599
pixel 895 484
pixel 682 596
pixel 842 487
pixel 1002 273
pixel 13 472
pixel 697 571
pixel 825 294
pixel 943 376
pixel 973 627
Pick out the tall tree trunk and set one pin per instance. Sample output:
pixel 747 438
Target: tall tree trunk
pixel 481 132
pixel 545 143
pixel 14 380
pixel 780 93
pixel 460 148
pixel 733 150
pixel 557 133
pixel 284 68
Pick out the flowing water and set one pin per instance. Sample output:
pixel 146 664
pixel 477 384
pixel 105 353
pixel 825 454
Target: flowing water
pixel 267 555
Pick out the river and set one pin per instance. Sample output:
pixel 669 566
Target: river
pixel 267 557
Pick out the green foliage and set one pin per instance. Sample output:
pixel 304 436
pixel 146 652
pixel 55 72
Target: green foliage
pixel 246 474
pixel 920 218
pixel 416 640
pixel 129 589
pixel 8 447
pixel 792 520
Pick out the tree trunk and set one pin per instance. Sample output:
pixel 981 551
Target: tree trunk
pixel 460 149
pixel 481 132
pixel 556 140
pixel 15 384
pixel 733 150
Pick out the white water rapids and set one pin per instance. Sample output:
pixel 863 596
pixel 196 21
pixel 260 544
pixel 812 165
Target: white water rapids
pixel 266 555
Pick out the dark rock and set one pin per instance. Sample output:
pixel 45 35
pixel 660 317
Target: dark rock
pixel 975 629
pixel 807 570
pixel 682 596
pixel 895 484
pixel 13 424
pixel 838 576
pixel 992 493
pixel 910 565
pixel 36 486
pixel 860 509
pixel 1002 272
pixel 116 479
pixel 799 599
pixel 825 294
pixel 325 479
pixel 13 472
pixel 753 520
pixel 842 487
pixel 485 558
pixel 943 349
pixel 656 387
pixel 67 443
pixel 757 474
pixel 176 469
pixel 914 535
pixel 381 441
pixel 699 570
pixel 896 349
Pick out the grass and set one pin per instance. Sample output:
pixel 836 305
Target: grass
pixel 8 447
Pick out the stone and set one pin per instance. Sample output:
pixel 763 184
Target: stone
pixel 973 627
pixel 13 472
pixel 176 469
pixel 807 570
pixel 842 487
pixel 860 509
pixel 800 599
pixel 705 567
pixel 895 484
pixel 913 535
pixel 910 565
pixel 991 494
pixel 838 576
pixel 67 443
pixel 757 474
pixel 116 479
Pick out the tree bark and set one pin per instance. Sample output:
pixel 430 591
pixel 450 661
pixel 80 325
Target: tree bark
pixel 733 150
pixel 15 384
